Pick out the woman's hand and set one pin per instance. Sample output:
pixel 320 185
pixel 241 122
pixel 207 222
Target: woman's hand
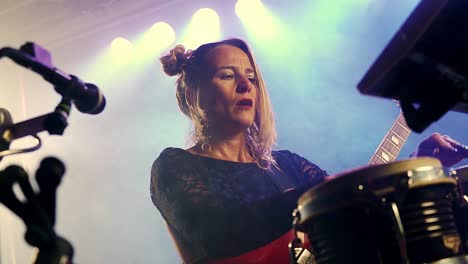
pixel 444 148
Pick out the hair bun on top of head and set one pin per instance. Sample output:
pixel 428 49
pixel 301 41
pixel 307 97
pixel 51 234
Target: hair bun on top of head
pixel 174 62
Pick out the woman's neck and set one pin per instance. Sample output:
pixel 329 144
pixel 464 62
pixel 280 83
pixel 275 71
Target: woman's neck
pixel 226 148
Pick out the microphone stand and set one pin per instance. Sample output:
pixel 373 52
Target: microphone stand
pixel 38 210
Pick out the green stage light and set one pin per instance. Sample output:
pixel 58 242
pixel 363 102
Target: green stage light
pixel 248 8
pixel 162 34
pixel 266 30
pixel 152 42
pixel 121 50
pixel 204 27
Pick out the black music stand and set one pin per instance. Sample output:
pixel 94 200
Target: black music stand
pixel 425 65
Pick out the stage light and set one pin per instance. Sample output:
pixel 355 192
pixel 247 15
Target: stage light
pixel 130 58
pixel 121 44
pixel 248 8
pixel 162 35
pixel 257 19
pixel 204 27
pixel 266 30
pixel 152 42
pixel 110 62
pixel 205 15
pixel 121 50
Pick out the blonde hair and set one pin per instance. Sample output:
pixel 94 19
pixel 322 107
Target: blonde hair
pixel 189 65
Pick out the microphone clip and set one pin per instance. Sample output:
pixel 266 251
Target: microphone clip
pixel 54 123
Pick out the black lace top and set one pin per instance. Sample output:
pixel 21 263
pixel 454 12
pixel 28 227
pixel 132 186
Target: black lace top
pixel 218 209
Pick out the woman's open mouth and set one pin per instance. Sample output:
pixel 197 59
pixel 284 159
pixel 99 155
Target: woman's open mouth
pixel 247 103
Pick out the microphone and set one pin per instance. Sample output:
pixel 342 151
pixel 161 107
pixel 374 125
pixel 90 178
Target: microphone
pixel 86 96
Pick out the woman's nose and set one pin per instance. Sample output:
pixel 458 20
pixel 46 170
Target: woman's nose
pixel 243 85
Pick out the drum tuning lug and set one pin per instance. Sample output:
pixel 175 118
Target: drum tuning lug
pixel 296 216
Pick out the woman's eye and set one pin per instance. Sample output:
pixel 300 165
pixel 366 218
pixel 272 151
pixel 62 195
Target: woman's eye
pixel 227 76
pixel 253 80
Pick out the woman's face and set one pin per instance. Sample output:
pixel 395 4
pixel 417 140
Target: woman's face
pixel 228 93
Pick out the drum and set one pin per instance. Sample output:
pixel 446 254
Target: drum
pixel 461 176
pixel 401 212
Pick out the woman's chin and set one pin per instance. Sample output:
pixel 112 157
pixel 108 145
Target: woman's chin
pixel 245 122
pixel 237 122
pixel 240 125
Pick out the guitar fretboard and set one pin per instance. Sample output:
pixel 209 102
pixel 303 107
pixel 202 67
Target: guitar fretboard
pixel 392 143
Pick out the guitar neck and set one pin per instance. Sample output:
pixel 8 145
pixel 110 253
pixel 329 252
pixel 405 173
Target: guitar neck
pixel 392 143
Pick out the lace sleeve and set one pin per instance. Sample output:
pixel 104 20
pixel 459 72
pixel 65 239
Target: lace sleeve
pixel 172 184
pixel 176 195
pixel 308 173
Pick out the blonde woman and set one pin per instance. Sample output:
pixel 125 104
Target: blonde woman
pixel 229 197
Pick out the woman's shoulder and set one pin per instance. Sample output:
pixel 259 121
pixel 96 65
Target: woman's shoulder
pixel 171 152
pixel 168 159
pixel 285 154
pixel 173 155
pixel 167 168
pixel 289 160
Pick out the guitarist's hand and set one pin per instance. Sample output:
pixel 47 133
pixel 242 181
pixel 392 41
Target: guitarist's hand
pixel 444 148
